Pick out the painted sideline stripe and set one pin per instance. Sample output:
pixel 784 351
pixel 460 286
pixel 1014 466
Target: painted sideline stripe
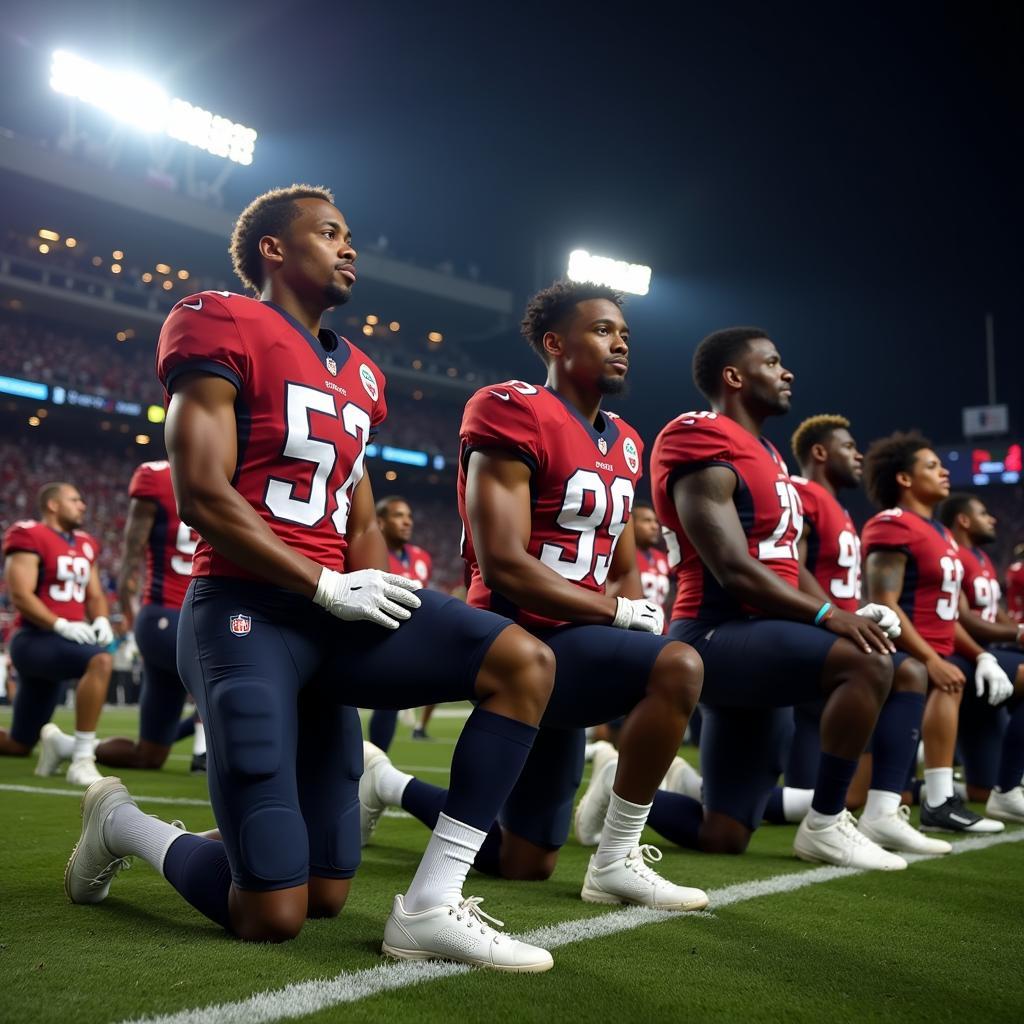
pixel 308 997
pixel 412 769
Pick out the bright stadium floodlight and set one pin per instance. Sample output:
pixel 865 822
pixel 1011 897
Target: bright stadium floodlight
pixel 147 107
pixel 634 278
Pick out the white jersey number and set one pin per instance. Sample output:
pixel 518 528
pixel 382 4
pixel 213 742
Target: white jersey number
pixel 586 488
pixel 986 597
pixel 952 575
pixel 847 586
pixel 73 573
pixel 792 513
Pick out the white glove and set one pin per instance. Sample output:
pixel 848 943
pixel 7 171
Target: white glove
pixel 367 594
pixel 76 632
pixel 638 614
pixel 102 633
pixel 887 620
pixel 988 675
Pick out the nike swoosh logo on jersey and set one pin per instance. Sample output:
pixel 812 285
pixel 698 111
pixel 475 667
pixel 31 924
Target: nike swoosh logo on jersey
pixel 198 305
pixel 500 394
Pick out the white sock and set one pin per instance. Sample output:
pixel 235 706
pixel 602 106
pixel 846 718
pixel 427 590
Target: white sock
pixel 65 745
pixel 938 785
pixel 446 861
pixel 390 784
pixel 623 824
pixel 881 804
pixel 796 803
pixel 199 740
pixel 815 819
pixel 128 831
pixel 83 745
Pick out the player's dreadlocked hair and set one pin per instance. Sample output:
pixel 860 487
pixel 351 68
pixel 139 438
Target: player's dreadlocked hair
pixel 957 502
pixel 815 430
pixel 268 214
pixel 884 459
pixel 547 310
pixel 716 352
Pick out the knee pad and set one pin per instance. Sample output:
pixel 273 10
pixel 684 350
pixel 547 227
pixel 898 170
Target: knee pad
pixel 245 715
pixel 343 846
pixel 274 846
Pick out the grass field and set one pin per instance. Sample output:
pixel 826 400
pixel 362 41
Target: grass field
pixel 942 941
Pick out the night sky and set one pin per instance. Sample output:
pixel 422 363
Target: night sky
pixel 848 178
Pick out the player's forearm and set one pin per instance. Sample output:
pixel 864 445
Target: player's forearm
pixel 988 632
pixel 750 582
pixel 127 589
pixel 965 644
pixel 33 610
pixel 627 585
pixel 909 641
pixel 366 550
pixel 232 527
pixel 532 586
pixel 809 584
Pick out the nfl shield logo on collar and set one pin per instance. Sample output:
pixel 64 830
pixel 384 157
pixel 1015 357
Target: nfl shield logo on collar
pixel 332 366
pixel 240 624
pixel 602 446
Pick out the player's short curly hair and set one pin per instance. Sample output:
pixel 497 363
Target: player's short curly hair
pixel 884 459
pixel 383 504
pixel 547 310
pixel 957 502
pixel 815 430
pixel 717 351
pixel 268 214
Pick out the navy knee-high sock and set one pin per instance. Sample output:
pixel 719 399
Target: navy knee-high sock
pixel 198 868
pixel 186 727
pixel 1011 760
pixel 774 810
pixel 382 728
pixel 894 746
pixel 425 802
pixel 678 818
pixel 834 777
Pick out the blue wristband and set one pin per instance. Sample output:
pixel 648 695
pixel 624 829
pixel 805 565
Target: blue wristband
pixel 822 612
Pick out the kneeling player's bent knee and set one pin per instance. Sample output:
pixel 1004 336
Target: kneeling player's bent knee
pixel 910 676
pixel 327 896
pixel 520 666
pixel 269 917
pixel 720 834
pixel 878 674
pixel 679 674
pixel 101 663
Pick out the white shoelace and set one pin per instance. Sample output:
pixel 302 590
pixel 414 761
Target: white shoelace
pixel 847 826
pixel 641 864
pixel 469 909
pixel 109 871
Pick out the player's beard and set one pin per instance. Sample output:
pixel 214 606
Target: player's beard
pixel 337 294
pixel 612 385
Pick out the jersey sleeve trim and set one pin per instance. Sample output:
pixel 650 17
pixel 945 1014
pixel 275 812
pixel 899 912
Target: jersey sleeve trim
pixel 523 456
pixel 204 366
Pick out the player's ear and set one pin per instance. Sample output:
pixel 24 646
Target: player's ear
pixel 732 377
pixel 903 478
pixel 819 452
pixel 271 250
pixel 552 344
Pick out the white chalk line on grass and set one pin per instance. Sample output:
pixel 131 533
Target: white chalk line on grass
pixel 412 769
pixel 304 998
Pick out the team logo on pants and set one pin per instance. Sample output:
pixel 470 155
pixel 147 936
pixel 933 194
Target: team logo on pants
pixel 240 624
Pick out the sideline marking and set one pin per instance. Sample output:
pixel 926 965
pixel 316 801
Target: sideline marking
pixel 307 997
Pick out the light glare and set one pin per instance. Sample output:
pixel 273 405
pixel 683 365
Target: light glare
pixel 634 278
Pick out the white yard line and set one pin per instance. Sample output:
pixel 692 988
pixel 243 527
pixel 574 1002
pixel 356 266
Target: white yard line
pixel 308 997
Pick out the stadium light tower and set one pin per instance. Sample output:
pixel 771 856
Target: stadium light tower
pixel 147 107
pixel 634 278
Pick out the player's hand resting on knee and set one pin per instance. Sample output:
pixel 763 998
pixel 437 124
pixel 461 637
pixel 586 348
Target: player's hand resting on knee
pixel 367 594
pixel 102 633
pixel 862 631
pixel 639 614
pixel 888 621
pixel 989 676
pixel 944 675
pixel 76 632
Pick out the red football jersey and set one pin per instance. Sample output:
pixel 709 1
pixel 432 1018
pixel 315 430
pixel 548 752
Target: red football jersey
pixel 981 585
pixel 171 542
pixel 1015 590
pixel 584 479
pixel 65 565
pixel 306 408
pixel 655 575
pixel 414 564
pixel 766 500
pixel 934 572
pixel 833 547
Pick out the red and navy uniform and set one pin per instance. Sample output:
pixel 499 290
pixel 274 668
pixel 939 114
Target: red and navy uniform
pixel 766 500
pixel 655 575
pixel 412 562
pixel 276 678
pixel 981 584
pixel 44 659
pixel 583 478
pixel 169 550
pixel 933 575
pixel 833 547
pixel 1015 590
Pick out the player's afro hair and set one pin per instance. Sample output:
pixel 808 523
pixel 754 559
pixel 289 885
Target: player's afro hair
pixel 716 352
pixel 956 503
pixel 268 214
pixel 884 459
pixel 815 430
pixel 548 309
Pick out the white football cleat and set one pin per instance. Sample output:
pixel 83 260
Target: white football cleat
pixel 842 844
pixel 92 867
pixel 82 772
pixel 633 880
pixel 683 778
pixel 459 933
pixel 371 806
pixel 593 805
pixel 1008 806
pixel 894 832
pixel 50 758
